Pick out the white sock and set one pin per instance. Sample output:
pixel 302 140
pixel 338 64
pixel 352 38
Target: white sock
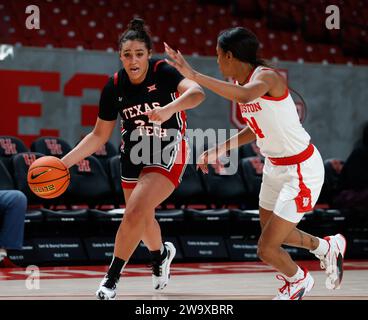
pixel 298 275
pixel 322 249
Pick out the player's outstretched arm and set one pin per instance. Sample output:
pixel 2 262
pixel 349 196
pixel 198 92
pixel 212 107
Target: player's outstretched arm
pixel 91 142
pixel 234 92
pixel 211 155
pixel 191 95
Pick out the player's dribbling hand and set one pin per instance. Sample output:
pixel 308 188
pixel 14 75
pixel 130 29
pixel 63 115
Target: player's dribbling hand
pixel 179 62
pixel 159 115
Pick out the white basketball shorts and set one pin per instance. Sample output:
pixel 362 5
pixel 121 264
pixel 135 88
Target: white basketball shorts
pixel 290 190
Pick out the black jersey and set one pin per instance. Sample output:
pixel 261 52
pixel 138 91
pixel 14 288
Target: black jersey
pixel 129 100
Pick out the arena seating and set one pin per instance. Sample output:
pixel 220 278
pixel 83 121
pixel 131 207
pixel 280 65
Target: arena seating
pixel 205 209
pixel 88 184
pixel 330 188
pixel 225 189
pixel 249 150
pixel 95 182
pixel 51 146
pixel 106 152
pixel 291 30
pixel 201 209
pixel 191 191
pixel 251 170
pixel 10 146
pixel 89 189
pixel 114 177
pixel 6 181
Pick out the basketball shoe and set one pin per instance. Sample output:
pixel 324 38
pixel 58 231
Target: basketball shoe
pixel 161 270
pixel 333 261
pixel 295 290
pixel 107 288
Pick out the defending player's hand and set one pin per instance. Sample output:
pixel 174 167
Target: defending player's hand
pixel 179 62
pixel 202 162
pixel 159 115
pixel 209 156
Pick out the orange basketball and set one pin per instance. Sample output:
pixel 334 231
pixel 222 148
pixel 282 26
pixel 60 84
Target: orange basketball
pixel 48 177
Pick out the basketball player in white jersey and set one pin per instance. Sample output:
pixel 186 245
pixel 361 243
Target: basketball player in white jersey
pixel 293 174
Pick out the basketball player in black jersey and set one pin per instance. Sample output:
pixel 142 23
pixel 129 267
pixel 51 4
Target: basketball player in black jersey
pixel 150 97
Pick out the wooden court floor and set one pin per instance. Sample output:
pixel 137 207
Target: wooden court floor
pixel 199 281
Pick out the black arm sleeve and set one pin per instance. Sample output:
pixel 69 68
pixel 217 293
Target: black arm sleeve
pixel 169 76
pixel 108 110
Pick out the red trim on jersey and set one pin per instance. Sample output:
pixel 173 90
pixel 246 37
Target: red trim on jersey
pixel 303 200
pixel 275 98
pixel 298 158
pixel 175 174
pixel 183 117
pixel 128 185
pixel 115 79
pixel 284 96
pixel 157 64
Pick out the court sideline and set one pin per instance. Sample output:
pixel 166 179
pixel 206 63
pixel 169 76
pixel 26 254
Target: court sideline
pixel 189 281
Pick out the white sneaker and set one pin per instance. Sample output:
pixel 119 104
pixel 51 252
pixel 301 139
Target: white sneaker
pixel 295 290
pixel 106 291
pixel 161 272
pixel 333 261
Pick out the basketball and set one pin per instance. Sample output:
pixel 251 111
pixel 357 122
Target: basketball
pixel 48 177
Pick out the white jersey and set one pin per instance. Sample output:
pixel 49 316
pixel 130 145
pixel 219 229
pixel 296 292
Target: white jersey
pixel 275 122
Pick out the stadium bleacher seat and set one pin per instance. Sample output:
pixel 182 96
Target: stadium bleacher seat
pixel 89 184
pixel 169 215
pixel 80 25
pixel 65 215
pixel 51 146
pixel 106 152
pixel 251 171
pixel 6 181
pixel 115 180
pixel 208 215
pixel 225 189
pixel 330 187
pixel 111 216
pixel 191 190
pixel 89 188
pixel 10 146
pixel 249 150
